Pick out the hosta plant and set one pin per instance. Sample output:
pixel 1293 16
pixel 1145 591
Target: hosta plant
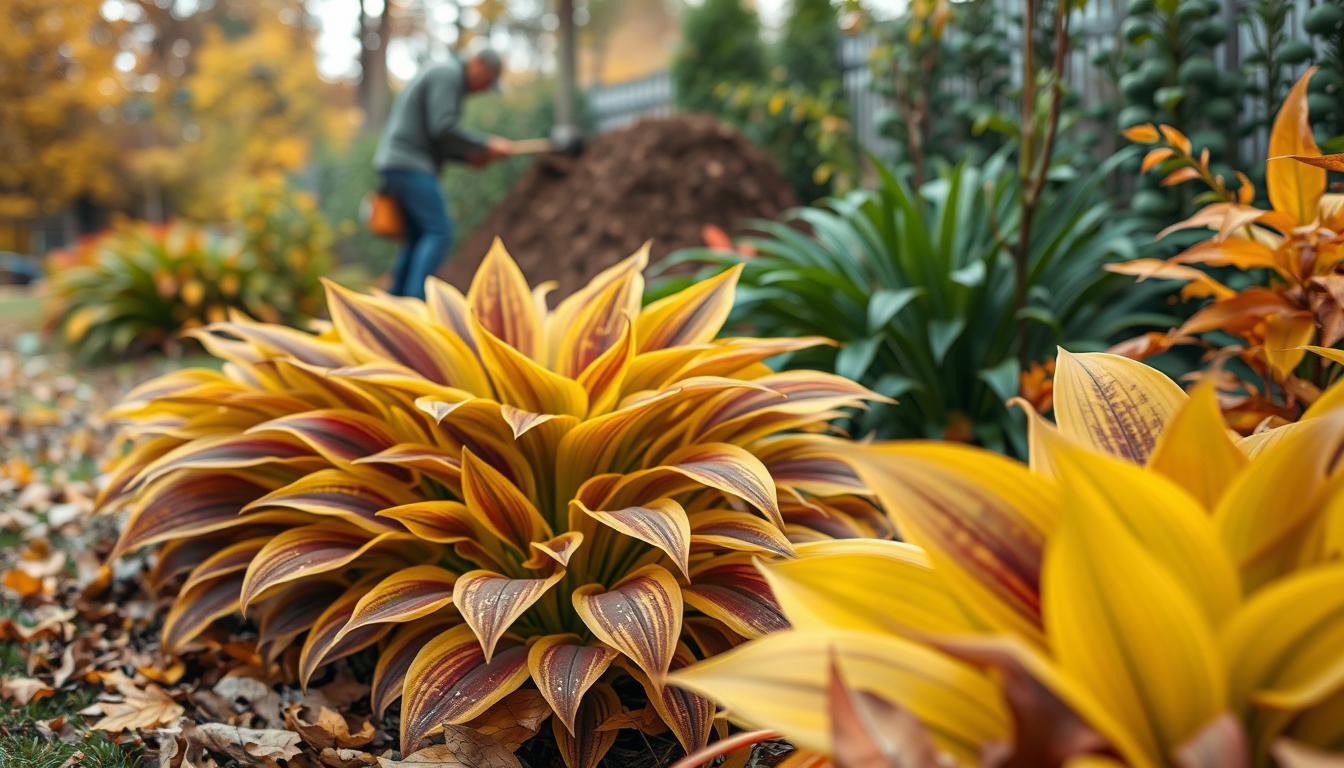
pixel 134 288
pixel 491 492
pixel 138 286
pixel 1149 592
pixel 1292 294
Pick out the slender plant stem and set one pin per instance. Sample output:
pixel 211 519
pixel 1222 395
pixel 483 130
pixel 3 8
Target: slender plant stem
pixel 1034 168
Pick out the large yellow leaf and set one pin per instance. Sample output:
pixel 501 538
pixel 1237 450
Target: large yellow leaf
pixel 781 682
pixel 875 586
pixel 1287 476
pixel 981 518
pixel 1125 628
pixel 1161 517
pixel 1114 404
pixel 1196 452
pixel 1294 188
pixel 1285 648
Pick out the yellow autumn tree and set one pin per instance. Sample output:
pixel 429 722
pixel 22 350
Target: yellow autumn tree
pixel 255 107
pixel 59 98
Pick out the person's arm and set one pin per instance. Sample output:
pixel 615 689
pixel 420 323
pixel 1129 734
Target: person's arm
pixel 443 111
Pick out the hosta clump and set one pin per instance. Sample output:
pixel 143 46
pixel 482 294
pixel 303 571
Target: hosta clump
pixel 492 492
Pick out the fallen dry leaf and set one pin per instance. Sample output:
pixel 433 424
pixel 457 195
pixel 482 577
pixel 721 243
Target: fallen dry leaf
pixel 331 729
pixel 24 689
pixel 462 748
pixel 141 709
pixel 166 675
pixel 250 746
pixel 515 719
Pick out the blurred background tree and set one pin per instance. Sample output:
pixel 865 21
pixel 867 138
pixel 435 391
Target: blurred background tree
pixel 720 42
pixel 60 96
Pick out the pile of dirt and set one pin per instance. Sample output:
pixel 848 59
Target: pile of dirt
pixel 659 179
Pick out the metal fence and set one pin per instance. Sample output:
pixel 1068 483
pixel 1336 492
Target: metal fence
pixel 1097 24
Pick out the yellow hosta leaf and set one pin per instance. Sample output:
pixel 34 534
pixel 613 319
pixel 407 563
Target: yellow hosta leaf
pixel 781 682
pixel 1127 630
pixel 1285 648
pixel 1288 475
pixel 1114 404
pixel 1163 520
pixel 875 586
pixel 1294 188
pixel 981 518
pixel 1196 452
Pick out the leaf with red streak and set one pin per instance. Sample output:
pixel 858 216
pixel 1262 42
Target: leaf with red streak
pixel 564 669
pixel 449 681
pixel 490 602
pixel 640 617
pixel 732 590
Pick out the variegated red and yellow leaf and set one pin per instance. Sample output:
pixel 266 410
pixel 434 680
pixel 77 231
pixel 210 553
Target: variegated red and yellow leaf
pixel 187 505
pixel 291 610
pixel 588 744
pixel 352 498
pixel 600 326
pixel 490 602
pixel 378 331
pixel 338 435
pixel 235 557
pixel 443 522
pixel 661 523
pixel 732 590
pixel 194 610
pixel 689 715
pixel 741 531
pixel 556 551
pixel 722 466
pixel 563 317
pixel 605 376
pixel 312 549
pixel 328 639
pixel 501 302
pixel 447 305
pixel 524 383
pixel 449 681
pixel 983 519
pixel 435 462
pixel 693 316
pixel 406 595
pixel 499 505
pixel 563 669
pixel 640 617
pixel 230 451
pixel 395 657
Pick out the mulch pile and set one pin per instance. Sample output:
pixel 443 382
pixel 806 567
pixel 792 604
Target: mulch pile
pixel 662 179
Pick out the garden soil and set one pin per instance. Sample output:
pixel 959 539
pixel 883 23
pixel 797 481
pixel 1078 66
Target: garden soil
pixel 660 179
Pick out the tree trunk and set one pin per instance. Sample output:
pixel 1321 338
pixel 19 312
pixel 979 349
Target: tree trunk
pixel 374 34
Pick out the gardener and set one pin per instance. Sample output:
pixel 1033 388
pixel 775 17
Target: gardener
pixel 422 133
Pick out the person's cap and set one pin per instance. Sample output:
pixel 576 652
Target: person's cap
pixel 493 64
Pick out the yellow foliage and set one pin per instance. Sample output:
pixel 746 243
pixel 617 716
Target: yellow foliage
pixel 59 93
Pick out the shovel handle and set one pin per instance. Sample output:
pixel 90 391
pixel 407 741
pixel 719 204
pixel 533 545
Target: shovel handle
pixel 532 146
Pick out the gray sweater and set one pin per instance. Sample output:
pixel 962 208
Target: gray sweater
pixel 422 130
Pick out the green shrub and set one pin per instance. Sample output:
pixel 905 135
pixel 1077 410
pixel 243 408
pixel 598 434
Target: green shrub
pixel 919 290
pixel 720 42
pixel 137 287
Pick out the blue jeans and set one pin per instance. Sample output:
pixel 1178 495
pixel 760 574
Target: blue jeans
pixel 429 230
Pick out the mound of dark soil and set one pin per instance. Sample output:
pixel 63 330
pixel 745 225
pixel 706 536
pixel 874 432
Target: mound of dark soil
pixel 659 179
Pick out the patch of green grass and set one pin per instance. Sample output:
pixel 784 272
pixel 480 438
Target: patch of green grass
pixel 23 745
pixel 21 751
